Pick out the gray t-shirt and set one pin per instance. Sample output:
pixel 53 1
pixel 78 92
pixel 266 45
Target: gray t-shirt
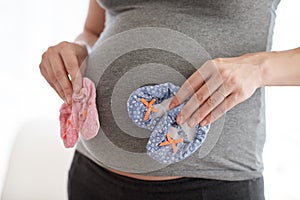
pixel 152 42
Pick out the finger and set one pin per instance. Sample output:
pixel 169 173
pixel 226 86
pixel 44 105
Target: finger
pixel 60 91
pixel 189 87
pixel 192 84
pixel 210 104
pixel 50 78
pixel 70 61
pixel 198 99
pixel 220 110
pixel 61 77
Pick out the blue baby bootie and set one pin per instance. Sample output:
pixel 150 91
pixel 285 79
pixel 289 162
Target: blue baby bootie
pixel 170 143
pixel 148 107
pixel 141 104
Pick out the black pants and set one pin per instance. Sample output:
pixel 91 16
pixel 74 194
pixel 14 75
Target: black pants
pixel 88 181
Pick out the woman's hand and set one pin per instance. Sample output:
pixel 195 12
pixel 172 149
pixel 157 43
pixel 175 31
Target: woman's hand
pixel 218 86
pixel 59 63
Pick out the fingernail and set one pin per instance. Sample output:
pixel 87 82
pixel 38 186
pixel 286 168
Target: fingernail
pixel 179 119
pixel 172 105
pixel 192 122
pixel 203 123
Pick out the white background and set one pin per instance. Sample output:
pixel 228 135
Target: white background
pixel 29 27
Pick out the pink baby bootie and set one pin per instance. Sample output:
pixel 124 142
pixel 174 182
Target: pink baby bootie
pixel 81 117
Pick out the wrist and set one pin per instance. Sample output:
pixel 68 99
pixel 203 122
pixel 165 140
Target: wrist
pixel 266 67
pixel 88 48
pixel 258 62
pixel 261 61
pixel 85 45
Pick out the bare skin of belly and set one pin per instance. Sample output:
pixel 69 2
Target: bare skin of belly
pixel 141 177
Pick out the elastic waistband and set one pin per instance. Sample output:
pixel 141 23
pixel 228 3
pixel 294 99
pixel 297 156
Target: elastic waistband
pixel 173 185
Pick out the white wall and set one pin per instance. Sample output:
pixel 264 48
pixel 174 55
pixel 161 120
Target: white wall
pixel 29 27
pixel 282 148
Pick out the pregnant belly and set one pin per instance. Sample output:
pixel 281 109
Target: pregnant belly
pixel 118 66
pixel 131 56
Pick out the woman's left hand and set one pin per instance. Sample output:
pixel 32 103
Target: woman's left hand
pixel 218 86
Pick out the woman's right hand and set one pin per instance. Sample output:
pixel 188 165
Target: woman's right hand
pixel 59 63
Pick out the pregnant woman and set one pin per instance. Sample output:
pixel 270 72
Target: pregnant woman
pixel 218 51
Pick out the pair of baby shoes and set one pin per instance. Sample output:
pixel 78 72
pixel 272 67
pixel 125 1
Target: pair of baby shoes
pixel 148 107
pixel 81 116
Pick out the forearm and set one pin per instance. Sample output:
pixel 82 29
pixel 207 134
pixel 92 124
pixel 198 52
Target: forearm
pixel 93 26
pixel 281 68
